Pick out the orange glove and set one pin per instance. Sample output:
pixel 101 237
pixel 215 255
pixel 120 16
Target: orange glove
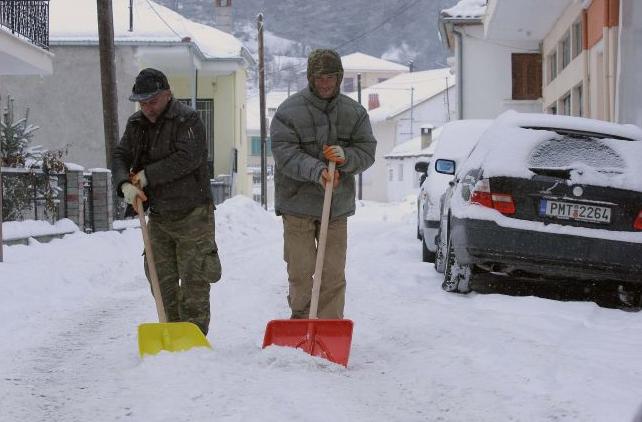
pixel 334 153
pixel 325 178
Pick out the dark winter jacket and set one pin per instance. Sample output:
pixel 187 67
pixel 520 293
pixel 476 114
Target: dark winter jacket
pixel 173 153
pixel 301 126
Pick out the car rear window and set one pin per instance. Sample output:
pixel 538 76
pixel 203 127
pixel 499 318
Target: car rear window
pixel 568 152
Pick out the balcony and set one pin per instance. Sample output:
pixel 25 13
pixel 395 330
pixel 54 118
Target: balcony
pixel 28 19
pixel 24 37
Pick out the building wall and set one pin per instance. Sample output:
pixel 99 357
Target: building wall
pixel 367 79
pixel 434 111
pixel 629 89
pixel 572 78
pixel 602 17
pixel 488 94
pixel 402 179
pixel 374 179
pixel 67 105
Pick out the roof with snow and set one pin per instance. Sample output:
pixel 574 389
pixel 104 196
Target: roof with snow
pixel 395 93
pixel 76 22
pixel 359 62
pixel 466 9
pixel 412 147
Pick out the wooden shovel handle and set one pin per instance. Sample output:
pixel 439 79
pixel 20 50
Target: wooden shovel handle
pixel 151 264
pixel 323 233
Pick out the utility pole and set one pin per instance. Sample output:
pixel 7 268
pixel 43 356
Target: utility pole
pixel 259 26
pixel 108 76
pixel 360 185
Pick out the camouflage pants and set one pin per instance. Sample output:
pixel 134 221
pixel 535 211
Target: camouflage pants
pixel 187 262
pixel 300 236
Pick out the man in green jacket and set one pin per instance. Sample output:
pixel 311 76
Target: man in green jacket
pixel 310 128
pixel 162 159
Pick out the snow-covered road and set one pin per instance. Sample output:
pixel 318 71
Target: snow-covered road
pixel 69 311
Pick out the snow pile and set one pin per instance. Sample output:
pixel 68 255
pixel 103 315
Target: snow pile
pixel 69 311
pixel 23 229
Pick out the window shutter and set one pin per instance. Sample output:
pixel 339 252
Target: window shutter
pixel 527 76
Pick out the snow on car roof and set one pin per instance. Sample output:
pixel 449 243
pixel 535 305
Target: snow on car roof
pixel 505 148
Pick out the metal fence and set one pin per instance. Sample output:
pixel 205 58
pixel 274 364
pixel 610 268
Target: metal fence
pixel 28 19
pixel 32 203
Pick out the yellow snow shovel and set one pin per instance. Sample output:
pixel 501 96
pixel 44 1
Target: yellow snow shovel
pixel 163 335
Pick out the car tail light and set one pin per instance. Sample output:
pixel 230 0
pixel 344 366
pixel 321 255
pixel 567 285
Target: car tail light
pixel 482 195
pixel 637 224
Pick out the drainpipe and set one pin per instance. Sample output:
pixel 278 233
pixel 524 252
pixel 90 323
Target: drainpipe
pixel 460 76
pixel 586 89
pixel 606 63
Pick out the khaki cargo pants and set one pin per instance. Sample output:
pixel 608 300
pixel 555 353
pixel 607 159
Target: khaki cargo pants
pixel 300 236
pixel 185 249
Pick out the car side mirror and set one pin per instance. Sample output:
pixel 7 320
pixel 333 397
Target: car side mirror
pixel 445 166
pixel 421 166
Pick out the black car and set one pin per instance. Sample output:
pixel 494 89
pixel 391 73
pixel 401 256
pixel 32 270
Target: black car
pixel 546 197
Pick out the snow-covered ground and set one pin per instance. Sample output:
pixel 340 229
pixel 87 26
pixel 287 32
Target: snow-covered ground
pixel 69 310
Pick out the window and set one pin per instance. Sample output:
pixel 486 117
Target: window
pixel 223 3
pixel 348 84
pixel 527 76
pixel 391 175
pixel 552 66
pixel 565 50
pixel 566 105
pixel 255 146
pixel 578 100
pixel 205 110
pixel 400 175
pixel 577 38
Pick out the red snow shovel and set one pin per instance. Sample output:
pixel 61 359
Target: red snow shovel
pixel 163 335
pixel 326 338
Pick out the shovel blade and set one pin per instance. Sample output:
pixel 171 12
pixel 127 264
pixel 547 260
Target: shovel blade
pixel 170 336
pixel 327 338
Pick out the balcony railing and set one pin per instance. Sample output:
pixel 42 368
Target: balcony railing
pixel 28 19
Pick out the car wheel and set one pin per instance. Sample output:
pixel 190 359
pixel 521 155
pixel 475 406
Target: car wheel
pixel 426 254
pixel 440 259
pixel 457 277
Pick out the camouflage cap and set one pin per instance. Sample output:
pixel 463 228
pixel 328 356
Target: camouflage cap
pixel 323 61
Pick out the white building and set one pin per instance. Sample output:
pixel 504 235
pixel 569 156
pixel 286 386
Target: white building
pixel 570 57
pixel 205 67
pixel 403 180
pixel 397 108
pixel 485 69
pixel 373 70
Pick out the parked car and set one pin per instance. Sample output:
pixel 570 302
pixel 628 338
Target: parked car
pixel 546 197
pixel 455 141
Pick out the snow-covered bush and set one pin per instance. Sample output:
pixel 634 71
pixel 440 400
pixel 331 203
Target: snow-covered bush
pixel 19 189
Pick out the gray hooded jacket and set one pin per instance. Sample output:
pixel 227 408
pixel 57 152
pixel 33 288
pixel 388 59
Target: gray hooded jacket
pixel 301 126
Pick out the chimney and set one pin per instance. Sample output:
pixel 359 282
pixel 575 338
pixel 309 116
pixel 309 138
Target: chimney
pixel 426 136
pixel 373 101
pixel 223 15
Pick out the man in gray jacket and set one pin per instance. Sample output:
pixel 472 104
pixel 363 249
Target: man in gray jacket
pixel 162 159
pixel 310 128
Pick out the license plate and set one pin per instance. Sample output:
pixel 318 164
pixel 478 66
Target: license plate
pixel 577 212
